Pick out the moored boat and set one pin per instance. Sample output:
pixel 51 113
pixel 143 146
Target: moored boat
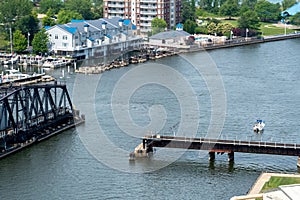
pixel 259 126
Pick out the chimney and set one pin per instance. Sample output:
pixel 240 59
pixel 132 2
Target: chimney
pixel 104 25
pixel 121 22
pixel 86 28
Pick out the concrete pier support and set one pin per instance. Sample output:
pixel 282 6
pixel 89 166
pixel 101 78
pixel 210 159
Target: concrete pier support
pixel 212 156
pixel 231 156
pixel 298 163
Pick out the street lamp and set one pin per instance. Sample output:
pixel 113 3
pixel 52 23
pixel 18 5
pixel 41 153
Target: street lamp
pixel 28 34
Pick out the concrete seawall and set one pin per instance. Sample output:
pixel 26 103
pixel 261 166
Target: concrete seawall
pixel 241 42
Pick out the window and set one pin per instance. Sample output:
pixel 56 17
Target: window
pixel 56 36
pixel 65 37
pixel 65 44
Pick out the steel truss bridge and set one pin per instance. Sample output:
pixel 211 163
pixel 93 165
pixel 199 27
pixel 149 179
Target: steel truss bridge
pixel 29 113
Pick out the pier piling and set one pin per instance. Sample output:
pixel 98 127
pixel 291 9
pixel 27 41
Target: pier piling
pixel 231 156
pixel 212 156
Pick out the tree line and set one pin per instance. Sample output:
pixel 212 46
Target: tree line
pixel 249 14
pixel 202 16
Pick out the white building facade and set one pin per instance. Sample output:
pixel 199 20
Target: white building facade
pixel 141 12
pixel 93 38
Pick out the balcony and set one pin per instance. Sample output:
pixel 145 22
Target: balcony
pixel 146 1
pixel 144 12
pixel 148 7
pixel 111 5
pixel 116 11
pixel 145 24
pixel 146 18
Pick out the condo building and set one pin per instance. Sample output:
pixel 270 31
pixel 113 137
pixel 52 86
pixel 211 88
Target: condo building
pixel 141 12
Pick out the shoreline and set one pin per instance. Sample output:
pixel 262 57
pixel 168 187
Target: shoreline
pixel 146 53
pixel 245 41
pixel 264 178
pixel 255 190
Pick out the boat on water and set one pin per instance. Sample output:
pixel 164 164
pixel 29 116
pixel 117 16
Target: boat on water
pixel 14 76
pixel 259 126
pixel 52 63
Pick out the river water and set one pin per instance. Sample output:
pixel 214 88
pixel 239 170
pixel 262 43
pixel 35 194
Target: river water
pixel 188 95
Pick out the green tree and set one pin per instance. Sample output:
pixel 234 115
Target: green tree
pixel 48 19
pixel 40 42
pixel 188 10
pixel 212 28
pixel 267 11
pixel 3 42
pixel 287 3
pixel 20 42
pixel 201 29
pixel 54 5
pixel 158 25
pixel 189 26
pixel 249 20
pixel 249 3
pixel 230 8
pixel 13 10
pixel 97 9
pixel 295 19
pixel 65 16
pixel 207 5
pixel 28 24
pixel 82 7
pixel 224 28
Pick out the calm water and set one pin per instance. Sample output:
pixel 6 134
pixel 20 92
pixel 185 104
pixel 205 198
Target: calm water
pixel 260 81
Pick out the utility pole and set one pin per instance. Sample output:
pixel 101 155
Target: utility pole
pixel 11 47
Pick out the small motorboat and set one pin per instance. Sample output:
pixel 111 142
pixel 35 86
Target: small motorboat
pixel 259 126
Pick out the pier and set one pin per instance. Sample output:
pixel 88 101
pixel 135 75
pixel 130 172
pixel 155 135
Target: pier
pixel 30 114
pixel 215 146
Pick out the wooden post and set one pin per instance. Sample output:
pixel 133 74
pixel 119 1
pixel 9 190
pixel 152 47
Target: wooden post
pixel 212 156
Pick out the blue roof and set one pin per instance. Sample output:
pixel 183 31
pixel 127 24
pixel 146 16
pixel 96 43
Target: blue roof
pixel 77 20
pixel 71 29
pixel 47 27
pixel 292 10
pixel 109 36
pixel 127 22
pixel 179 25
pixel 91 39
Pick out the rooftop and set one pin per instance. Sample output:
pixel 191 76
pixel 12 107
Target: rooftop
pixel 291 10
pixel 169 35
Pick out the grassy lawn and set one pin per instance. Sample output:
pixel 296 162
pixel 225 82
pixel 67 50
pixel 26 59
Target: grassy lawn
pixel 270 29
pixel 265 28
pixel 275 181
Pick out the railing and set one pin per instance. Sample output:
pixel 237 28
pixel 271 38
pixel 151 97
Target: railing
pixel 227 142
